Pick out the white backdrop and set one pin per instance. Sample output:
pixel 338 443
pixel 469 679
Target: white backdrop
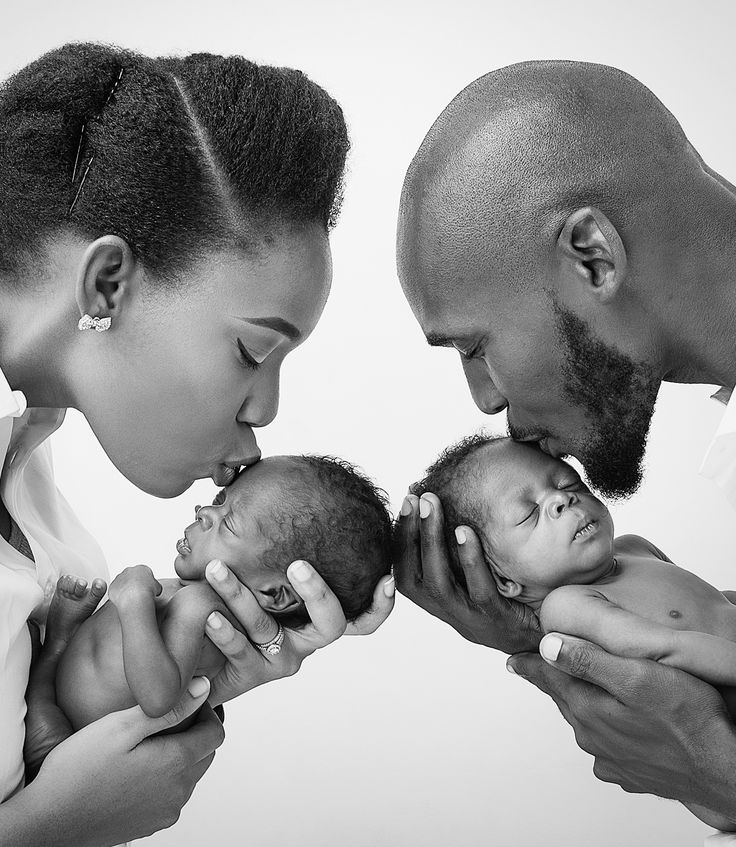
pixel 412 736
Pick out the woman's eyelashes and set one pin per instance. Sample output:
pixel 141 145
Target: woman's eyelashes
pixel 246 358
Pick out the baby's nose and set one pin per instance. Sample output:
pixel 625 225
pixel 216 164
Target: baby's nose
pixel 561 501
pixel 206 516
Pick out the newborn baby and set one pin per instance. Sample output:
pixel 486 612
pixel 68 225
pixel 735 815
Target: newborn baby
pixel 147 642
pixel 549 544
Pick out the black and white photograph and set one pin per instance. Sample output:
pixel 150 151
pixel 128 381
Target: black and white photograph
pixel 367 441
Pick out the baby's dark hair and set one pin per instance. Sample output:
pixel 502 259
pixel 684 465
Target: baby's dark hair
pixel 178 156
pixel 451 477
pixel 338 520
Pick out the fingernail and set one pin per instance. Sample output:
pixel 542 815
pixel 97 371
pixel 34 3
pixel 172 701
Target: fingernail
pixel 510 668
pixel 460 535
pixel 425 507
pixel 216 570
pixel 301 571
pixel 389 588
pixel 198 686
pixel 550 647
pixel 81 583
pixel 214 621
pixel 406 507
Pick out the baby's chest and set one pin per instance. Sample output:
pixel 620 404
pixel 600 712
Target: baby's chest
pixel 668 595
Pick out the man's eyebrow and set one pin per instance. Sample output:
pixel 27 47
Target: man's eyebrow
pixel 277 324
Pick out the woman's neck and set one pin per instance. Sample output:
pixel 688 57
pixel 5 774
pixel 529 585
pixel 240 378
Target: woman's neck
pixel 37 322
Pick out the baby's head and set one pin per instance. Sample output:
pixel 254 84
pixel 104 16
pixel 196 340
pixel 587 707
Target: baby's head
pixel 284 508
pixel 538 524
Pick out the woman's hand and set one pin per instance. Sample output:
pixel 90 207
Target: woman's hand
pixel 652 729
pixel 478 612
pixel 112 781
pixel 247 666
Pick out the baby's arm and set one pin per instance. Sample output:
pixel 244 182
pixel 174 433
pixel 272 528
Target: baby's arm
pixel 153 674
pixel 582 611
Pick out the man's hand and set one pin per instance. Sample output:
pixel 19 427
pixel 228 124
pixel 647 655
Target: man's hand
pixel 652 729
pixel 246 666
pixel 423 573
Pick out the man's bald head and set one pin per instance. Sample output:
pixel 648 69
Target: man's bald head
pixel 553 214
pixel 521 148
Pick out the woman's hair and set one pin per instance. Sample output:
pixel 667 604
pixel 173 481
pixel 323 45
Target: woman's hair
pixel 177 156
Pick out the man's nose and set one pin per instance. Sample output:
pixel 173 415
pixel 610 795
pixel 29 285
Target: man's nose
pixel 485 394
pixel 559 502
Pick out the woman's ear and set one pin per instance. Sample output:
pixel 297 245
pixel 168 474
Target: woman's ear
pixel 107 277
pixel 591 246
pixel 506 586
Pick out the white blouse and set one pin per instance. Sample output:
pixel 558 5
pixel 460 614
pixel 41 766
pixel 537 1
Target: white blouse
pixel 60 545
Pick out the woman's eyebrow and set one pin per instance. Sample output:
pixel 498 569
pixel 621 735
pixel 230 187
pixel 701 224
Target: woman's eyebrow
pixel 277 324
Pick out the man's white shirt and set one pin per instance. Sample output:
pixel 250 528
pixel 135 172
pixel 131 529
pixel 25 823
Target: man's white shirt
pixel 719 465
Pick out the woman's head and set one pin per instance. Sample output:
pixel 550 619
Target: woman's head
pixel 190 200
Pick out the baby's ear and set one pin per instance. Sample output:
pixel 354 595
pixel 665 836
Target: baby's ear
pixel 278 598
pixel 506 587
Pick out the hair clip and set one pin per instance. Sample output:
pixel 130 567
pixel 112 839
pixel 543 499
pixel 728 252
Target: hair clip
pixel 81 141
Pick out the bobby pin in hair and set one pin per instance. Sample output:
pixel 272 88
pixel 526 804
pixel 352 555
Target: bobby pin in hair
pixel 81 139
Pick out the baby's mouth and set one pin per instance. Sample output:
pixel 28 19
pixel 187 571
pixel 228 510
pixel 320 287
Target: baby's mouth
pixel 585 530
pixel 182 547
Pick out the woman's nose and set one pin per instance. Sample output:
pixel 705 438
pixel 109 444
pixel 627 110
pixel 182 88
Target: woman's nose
pixel 261 403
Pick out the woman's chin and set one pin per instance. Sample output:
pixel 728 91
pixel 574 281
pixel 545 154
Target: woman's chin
pixel 159 485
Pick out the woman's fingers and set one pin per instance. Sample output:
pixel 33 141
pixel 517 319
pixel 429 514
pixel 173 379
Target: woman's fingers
pixel 384 597
pixel 203 737
pixel 256 622
pixel 325 611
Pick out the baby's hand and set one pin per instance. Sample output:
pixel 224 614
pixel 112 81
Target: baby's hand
pixel 133 585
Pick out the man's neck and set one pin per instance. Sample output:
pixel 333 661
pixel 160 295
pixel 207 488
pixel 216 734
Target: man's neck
pixel 697 302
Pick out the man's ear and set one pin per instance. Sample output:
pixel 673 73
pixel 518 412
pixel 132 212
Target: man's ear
pixel 506 586
pixel 592 247
pixel 276 597
pixel 107 276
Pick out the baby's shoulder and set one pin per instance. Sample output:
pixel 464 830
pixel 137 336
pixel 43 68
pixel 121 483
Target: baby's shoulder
pixel 635 545
pixel 566 603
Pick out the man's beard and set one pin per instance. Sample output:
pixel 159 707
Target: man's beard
pixel 618 396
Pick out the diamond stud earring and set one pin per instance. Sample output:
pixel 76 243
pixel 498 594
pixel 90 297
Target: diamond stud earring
pixel 98 324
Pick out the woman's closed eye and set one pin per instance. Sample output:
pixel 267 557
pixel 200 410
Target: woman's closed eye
pixel 246 358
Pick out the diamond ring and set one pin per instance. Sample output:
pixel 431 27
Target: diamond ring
pixel 273 647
